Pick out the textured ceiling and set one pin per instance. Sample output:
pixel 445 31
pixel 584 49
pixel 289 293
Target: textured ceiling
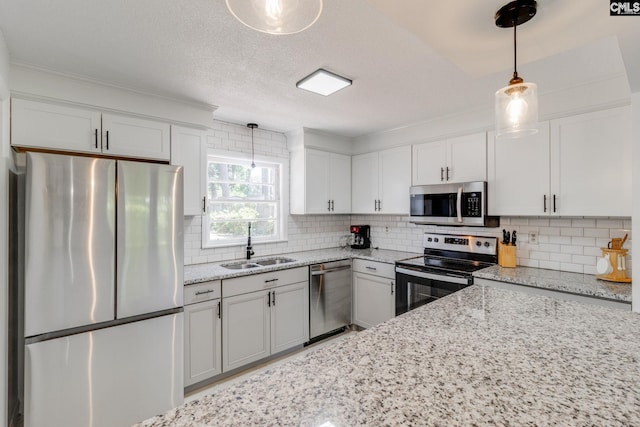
pixel 410 60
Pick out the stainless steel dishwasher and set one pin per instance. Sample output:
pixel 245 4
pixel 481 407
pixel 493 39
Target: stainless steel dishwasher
pixel 329 298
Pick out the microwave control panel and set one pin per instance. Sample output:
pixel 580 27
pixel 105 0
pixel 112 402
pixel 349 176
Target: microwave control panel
pixel 472 203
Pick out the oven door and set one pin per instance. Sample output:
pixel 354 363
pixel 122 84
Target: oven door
pixel 415 287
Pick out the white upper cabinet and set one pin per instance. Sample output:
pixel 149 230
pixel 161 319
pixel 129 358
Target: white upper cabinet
pixel 320 182
pixel 189 150
pixel 55 127
pixel 126 136
pixel 460 159
pixel 67 128
pixel 574 166
pixel 518 174
pixel 380 181
pixel 591 164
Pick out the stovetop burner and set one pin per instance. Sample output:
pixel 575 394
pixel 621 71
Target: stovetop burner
pixel 445 264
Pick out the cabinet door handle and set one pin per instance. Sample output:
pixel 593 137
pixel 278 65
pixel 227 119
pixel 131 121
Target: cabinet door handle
pixel 379 205
pixel 447 173
pixel 204 204
pixel 332 205
pixel 270 280
pixel 554 203
pixel 219 310
pixel 107 140
pixel 204 292
pixel 96 137
pixel 545 202
pixel 441 174
pixel 392 286
pixel 329 205
pixel 274 298
pixel 269 299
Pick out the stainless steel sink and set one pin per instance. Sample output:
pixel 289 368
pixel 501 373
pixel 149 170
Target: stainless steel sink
pixel 240 265
pixel 274 261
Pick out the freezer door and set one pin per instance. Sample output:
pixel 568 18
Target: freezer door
pixel 69 242
pixel 150 238
pixel 110 377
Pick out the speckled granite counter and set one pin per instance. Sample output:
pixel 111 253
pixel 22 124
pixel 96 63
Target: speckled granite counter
pixel 482 356
pixel 574 283
pixel 214 271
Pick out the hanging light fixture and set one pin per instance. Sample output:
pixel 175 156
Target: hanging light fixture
pixel 252 126
pixel 516 105
pixel 276 16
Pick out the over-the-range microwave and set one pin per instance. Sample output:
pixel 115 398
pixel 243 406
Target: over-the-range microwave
pixel 463 204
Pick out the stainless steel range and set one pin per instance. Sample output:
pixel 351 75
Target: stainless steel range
pixel 447 266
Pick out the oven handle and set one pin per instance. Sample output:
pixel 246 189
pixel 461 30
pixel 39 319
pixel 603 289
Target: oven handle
pixel 442 278
pixel 459 204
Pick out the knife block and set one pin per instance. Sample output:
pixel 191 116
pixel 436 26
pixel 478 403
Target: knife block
pixel 617 275
pixel 506 255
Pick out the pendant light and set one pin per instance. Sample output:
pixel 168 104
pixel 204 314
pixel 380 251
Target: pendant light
pixel 252 126
pixel 276 16
pixel 516 105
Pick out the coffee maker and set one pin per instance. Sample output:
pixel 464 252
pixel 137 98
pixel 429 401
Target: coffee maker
pixel 361 235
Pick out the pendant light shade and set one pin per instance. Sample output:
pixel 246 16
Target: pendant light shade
pixel 516 105
pixel 276 16
pixel 516 109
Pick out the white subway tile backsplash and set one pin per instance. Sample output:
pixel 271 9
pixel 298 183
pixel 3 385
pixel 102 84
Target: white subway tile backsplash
pixel 560 222
pixel 572 249
pixel 583 241
pixel 574 268
pixel 610 223
pixel 572 232
pixel 584 260
pixel 596 232
pixel 583 222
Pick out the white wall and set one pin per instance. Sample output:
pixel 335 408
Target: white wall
pixel 635 135
pixel 4 165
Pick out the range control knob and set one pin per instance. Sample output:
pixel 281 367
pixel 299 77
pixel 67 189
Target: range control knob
pixel 478 243
pixel 435 239
pixel 429 239
pixel 486 244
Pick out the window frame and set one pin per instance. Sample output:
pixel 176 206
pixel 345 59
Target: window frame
pixel 282 211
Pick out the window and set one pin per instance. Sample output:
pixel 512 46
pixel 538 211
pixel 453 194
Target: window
pixel 237 195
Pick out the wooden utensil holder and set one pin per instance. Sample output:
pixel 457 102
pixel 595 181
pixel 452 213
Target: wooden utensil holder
pixel 617 275
pixel 506 255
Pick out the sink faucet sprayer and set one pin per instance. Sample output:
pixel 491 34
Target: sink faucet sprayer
pixel 249 248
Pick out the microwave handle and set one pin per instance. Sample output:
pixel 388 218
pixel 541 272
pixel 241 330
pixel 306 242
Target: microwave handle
pixel 459 204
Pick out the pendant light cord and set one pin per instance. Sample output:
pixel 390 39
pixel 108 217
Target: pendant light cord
pixel 253 163
pixel 515 50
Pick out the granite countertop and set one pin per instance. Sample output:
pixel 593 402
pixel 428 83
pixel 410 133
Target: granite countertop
pixel 575 283
pixel 214 271
pixel 482 356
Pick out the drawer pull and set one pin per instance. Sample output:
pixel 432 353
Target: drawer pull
pixel 204 292
pixel 270 280
pixel 371 268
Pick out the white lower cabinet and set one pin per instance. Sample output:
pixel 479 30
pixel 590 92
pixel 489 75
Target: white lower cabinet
pixel 203 328
pixel 264 314
pixel 373 293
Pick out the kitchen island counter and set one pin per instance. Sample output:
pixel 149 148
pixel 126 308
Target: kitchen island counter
pixel 214 271
pixel 481 356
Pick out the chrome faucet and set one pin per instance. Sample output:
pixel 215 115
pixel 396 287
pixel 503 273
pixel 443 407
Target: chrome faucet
pixel 249 248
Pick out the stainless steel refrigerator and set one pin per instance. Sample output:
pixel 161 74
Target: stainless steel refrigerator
pixel 96 290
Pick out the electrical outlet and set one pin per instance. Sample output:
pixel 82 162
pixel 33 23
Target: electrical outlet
pixel 533 238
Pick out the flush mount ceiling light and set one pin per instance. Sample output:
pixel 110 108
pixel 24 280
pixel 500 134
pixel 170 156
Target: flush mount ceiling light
pixel 323 82
pixel 276 16
pixel 516 105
